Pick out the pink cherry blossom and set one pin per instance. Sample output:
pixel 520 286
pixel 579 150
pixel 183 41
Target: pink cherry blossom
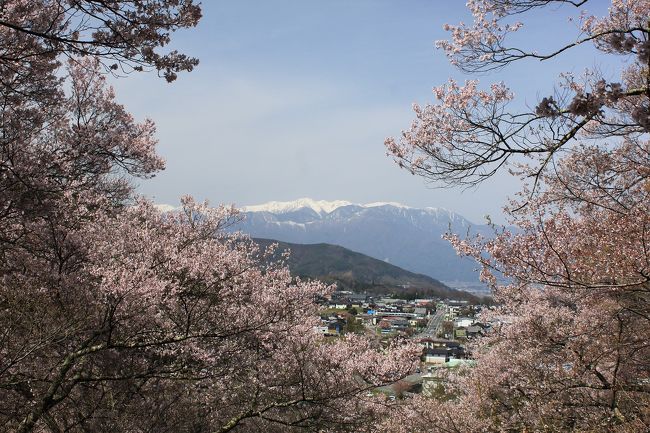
pixel 567 348
pixel 115 316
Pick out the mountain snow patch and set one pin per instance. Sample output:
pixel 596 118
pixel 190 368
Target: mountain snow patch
pixel 278 207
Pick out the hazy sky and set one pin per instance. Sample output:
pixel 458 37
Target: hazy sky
pixel 293 98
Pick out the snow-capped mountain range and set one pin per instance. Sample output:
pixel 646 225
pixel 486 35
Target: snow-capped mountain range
pixel 404 236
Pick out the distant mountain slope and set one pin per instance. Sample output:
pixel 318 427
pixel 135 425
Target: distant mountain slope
pixel 356 271
pixel 406 237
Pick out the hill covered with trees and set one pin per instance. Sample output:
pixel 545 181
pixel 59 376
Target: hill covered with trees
pixel 355 271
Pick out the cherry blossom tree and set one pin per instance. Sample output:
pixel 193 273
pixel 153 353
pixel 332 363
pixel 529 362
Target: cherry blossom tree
pixel 125 35
pixel 168 323
pixel 113 315
pixel 568 348
pixel 471 133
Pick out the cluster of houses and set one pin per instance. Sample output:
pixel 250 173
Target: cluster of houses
pixel 441 327
pixel 391 316
pixel 440 352
pixel 387 316
pixel 460 321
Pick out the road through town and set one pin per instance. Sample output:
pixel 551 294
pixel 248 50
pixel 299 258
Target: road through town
pixel 434 325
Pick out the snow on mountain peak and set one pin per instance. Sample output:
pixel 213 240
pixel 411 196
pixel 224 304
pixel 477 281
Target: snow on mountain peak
pixel 324 206
pixel 164 207
pixel 319 206
pixel 386 203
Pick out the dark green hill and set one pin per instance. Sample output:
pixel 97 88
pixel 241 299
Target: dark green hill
pixel 360 273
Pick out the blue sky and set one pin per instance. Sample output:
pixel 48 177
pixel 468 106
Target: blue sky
pixel 294 99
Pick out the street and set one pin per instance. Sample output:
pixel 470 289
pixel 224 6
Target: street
pixel 434 324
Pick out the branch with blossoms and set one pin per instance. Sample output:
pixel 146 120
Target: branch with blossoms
pixel 482 46
pixel 470 134
pixel 125 36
